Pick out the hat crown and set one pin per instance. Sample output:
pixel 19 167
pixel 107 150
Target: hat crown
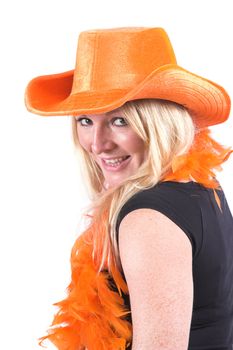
pixel 119 58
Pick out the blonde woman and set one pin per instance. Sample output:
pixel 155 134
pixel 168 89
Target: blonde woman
pixel 153 268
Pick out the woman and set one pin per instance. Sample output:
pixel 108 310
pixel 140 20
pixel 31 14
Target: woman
pixel 154 268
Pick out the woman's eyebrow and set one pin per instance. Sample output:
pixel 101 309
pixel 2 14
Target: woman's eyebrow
pixel 110 113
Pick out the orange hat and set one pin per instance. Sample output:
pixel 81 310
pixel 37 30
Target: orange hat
pixel 116 65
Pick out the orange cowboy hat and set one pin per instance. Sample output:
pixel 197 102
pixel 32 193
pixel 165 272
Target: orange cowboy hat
pixel 117 65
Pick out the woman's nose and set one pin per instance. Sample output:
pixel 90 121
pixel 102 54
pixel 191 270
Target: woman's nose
pixel 101 140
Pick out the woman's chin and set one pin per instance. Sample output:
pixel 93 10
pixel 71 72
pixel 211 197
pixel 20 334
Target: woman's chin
pixel 111 184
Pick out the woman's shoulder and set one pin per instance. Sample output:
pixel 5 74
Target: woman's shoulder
pixel 169 203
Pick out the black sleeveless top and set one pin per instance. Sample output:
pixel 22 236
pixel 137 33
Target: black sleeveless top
pixel 193 208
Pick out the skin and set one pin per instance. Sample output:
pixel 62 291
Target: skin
pixel 108 135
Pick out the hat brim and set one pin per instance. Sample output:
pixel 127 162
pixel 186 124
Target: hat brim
pixel 208 102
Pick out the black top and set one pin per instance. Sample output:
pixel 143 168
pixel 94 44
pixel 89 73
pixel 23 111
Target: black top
pixel 194 209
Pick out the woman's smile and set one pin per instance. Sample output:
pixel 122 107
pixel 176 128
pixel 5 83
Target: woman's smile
pixel 117 164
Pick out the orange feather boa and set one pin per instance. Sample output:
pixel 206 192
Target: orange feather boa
pixel 92 315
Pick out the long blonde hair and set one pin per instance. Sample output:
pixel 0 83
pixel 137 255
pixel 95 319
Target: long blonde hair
pixel 169 133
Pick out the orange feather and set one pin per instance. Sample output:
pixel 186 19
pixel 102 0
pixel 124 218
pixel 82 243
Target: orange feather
pixel 92 315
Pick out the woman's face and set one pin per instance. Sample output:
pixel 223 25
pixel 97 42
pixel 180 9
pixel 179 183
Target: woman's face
pixel 112 143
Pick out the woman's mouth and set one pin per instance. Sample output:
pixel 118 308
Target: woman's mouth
pixel 115 164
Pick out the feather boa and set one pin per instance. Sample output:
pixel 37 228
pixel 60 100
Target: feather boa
pixel 198 164
pixel 92 316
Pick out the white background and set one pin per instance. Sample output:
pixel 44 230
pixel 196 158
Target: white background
pixel 41 190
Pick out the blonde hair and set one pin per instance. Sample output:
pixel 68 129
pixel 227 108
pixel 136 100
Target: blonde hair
pixel 167 130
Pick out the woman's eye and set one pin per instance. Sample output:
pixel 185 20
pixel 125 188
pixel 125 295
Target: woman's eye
pixel 122 121
pixel 85 123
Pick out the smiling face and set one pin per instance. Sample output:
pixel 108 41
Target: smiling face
pixel 112 143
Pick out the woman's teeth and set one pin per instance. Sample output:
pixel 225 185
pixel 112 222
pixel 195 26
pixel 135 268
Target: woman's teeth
pixel 115 161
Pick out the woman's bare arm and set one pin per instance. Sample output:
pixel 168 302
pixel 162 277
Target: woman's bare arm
pixel 156 256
